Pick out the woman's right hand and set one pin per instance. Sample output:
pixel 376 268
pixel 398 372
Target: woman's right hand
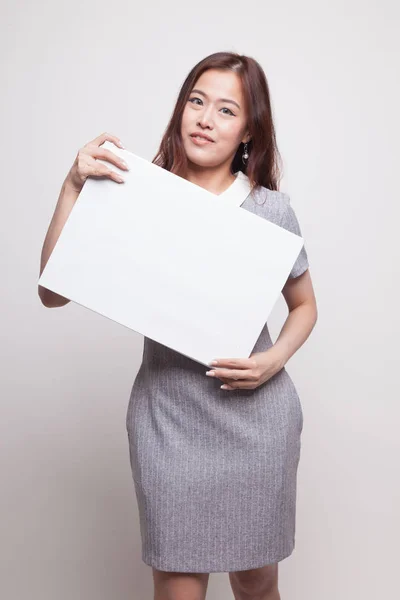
pixel 86 165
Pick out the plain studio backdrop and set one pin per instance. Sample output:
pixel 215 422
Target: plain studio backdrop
pixel 70 71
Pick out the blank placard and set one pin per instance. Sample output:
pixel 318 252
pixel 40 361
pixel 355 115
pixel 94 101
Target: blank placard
pixel 172 261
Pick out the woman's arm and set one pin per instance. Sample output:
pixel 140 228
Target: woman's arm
pixel 300 299
pixel 66 201
pixel 85 165
pixel 248 373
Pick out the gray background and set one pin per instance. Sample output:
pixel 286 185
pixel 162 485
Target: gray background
pixel 71 71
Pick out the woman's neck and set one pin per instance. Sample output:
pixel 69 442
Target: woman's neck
pixel 214 181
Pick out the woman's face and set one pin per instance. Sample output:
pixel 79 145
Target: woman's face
pixel 215 108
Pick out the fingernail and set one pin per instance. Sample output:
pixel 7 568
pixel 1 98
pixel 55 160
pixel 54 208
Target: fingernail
pixel 210 373
pixel 213 362
pixel 224 387
pixel 121 144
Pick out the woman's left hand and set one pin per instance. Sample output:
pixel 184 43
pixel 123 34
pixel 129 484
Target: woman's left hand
pixel 247 373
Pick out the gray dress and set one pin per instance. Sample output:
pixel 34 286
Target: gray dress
pixel 215 470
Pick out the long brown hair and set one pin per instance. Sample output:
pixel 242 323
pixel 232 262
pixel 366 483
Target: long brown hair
pixel 263 165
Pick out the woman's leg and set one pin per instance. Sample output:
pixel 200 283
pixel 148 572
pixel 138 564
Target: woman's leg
pixel 256 584
pixel 170 585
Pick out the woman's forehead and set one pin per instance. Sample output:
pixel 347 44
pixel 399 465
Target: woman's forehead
pixel 217 83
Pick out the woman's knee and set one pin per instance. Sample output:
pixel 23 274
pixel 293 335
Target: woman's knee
pixel 174 585
pixel 258 581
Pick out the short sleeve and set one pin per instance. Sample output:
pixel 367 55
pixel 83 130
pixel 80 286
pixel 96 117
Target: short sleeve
pixel 290 222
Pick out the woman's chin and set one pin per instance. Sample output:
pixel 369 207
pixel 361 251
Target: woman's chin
pixel 199 160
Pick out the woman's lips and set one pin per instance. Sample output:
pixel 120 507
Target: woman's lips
pixel 200 141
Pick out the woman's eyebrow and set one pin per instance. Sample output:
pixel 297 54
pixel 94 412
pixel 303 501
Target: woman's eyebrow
pixel 220 99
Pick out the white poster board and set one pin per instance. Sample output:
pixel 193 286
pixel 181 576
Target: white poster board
pixel 172 261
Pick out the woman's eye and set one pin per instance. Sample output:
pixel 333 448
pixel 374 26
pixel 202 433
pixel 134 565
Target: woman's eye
pixel 199 99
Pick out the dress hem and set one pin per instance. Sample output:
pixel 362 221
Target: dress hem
pixel 160 565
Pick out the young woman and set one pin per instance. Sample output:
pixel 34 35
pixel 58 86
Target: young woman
pixel 215 469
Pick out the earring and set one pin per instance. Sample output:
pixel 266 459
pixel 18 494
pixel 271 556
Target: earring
pixel 245 154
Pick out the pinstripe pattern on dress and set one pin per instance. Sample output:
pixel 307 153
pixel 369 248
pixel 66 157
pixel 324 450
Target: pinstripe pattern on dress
pixel 214 470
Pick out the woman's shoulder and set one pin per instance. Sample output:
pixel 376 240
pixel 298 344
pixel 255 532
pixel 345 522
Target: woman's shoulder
pixel 273 197
pixel 272 204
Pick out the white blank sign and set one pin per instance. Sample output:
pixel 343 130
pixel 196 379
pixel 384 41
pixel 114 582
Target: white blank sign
pixel 172 261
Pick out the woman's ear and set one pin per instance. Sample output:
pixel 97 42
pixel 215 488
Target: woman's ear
pixel 246 138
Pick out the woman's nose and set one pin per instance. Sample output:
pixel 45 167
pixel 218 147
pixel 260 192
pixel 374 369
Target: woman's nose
pixel 206 118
